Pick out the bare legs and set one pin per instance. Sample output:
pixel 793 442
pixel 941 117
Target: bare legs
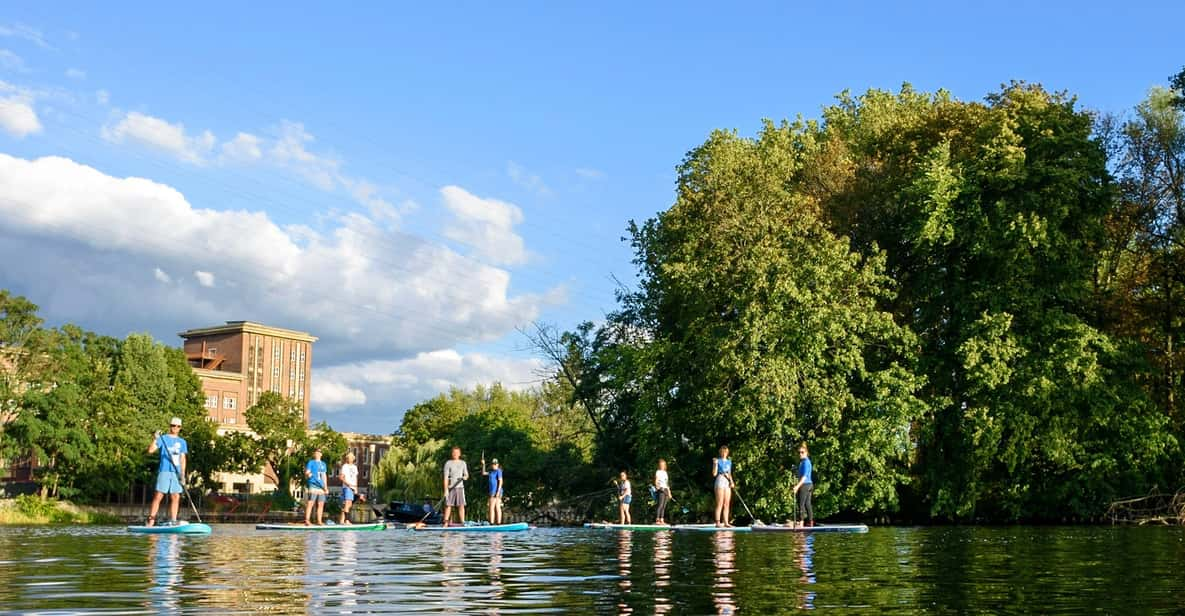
pixel 723 506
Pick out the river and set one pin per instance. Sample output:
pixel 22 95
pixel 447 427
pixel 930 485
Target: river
pixel 937 570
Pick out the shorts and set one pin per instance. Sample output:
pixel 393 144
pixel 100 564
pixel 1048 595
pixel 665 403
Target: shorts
pixel 495 498
pixel 347 495
pixel 167 483
pixel 722 483
pixel 315 497
pixel 627 499
pixel 456 497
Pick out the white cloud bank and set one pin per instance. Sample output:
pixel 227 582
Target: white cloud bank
pixel 17 116
pixel 486 225
pixel 419 377
pixel 97 241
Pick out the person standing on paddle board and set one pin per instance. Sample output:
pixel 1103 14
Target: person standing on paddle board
pixel 662 487
pixel 317 475
pixel 495 478
pixel 625 496
pixel 456 473
pixel 349 478
pixel 169 475
pixel 805 488
pixel 722 471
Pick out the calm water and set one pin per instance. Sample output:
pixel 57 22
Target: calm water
pixel 889 570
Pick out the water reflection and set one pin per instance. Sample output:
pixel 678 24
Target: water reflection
pixel 165 564
pixel 625 545
pixel 724 559
pixel 662 573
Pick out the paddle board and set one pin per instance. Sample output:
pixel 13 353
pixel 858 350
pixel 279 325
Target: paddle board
pixel 327 527
pixel 712 528
pixel 477 528
pixel 181 528
pixel 819 528
pixel 608 526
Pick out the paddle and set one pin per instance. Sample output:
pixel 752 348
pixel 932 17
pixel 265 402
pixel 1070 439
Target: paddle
pixel 180 479
pixel 756 522
pixel 439 504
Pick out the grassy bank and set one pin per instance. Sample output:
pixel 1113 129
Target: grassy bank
pixel 27 509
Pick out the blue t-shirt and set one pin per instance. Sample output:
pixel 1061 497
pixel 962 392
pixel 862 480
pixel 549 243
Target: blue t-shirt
pixel 495 475
pixel 315 467
pixel 723 466
pixel 804 470
pixel 171 447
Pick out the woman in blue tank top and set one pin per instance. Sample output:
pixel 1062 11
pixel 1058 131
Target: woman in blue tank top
pixel 722 471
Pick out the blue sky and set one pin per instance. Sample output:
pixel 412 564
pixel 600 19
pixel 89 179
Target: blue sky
pixel 410 184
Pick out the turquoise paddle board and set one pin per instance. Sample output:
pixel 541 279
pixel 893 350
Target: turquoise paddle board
pixel 326 527
pixel 608 526
pixel 476 528
pixel 819 528
pixel 181 528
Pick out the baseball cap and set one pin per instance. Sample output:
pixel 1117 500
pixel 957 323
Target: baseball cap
pixel 176 421
pixel 494 461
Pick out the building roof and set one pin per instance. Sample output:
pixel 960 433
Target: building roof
pixel 218 374
pixel 233 327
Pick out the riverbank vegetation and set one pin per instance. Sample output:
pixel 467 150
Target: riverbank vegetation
pixel 29 509
pixel 970 310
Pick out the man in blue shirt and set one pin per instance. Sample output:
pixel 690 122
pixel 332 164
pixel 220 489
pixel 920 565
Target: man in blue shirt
pixel 317 488
pixel 495 475
pixel 171 471
pixel 804 488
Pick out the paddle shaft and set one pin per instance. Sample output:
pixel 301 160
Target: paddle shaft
pixel 440 504
pixel 180 479
pixel 754 518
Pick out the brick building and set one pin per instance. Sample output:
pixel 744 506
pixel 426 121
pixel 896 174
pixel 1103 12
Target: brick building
pixel 368 450
pixel 240 360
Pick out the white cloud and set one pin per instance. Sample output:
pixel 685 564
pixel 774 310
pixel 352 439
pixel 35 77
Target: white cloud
pixel 244 148
pixel 334 396
pixel 427 374
pixel 17 116
pixel 486 225
pixel 9 61
pixel 362 288
pixel 289 150
pixel 206 279
pixel 75 73
pixel 102 97
pixel 27 33
pixel 157 133
pixel 589 173
pixel 161 276
pixel 519 175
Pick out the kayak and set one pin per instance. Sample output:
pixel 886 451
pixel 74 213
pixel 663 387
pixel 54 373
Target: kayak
pixel 327 527
pixel 476 528
pixel 608 526
pixel 712 528
pixel 820 528
pixel 181 528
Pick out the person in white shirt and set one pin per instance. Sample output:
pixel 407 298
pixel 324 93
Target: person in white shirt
pixel 349 479
pixel 662 487
pixel 624 497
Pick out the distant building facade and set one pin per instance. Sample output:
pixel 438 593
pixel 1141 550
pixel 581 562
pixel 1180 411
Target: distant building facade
pixel 239 361
pixel 368 450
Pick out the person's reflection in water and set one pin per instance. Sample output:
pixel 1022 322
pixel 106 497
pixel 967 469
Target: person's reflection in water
pixel 724 550
pixel 625 548
pixel 452 565
pixel 804 557
pixel 495 568
pixel 315 566
pixel 166 572
pixel 662 573
pixel 346 568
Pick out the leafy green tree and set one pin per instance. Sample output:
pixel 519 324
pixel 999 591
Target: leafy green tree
pixel 410 472
pixel 280 427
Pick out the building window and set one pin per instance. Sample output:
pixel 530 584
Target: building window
pixel 230 420
pixel 212 401
pixel 228 403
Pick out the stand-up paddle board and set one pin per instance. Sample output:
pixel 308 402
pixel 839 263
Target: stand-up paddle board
pixel 476 528
pixel 608 526
pixel 712 528
pixel 181 528
pixel 819 528
pixel 325 527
